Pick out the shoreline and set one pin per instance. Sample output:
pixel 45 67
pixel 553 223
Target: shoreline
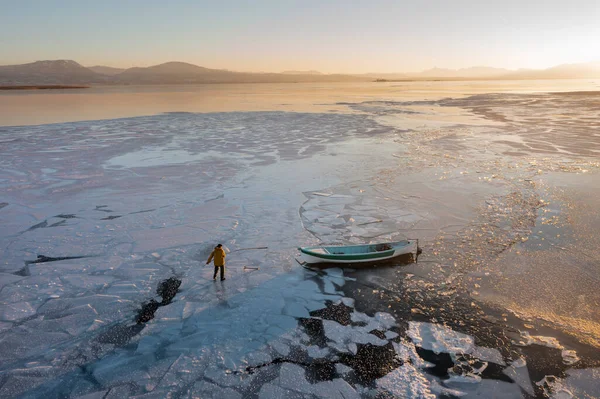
pixel 43 87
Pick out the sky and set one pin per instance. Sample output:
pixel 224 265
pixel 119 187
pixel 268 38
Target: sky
pixel 345 36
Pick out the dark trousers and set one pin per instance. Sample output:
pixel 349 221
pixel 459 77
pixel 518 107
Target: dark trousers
pixel 222 272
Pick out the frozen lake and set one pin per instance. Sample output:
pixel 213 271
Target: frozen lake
pixel 500 189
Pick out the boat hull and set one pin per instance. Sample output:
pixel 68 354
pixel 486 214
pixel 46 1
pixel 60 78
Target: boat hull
pixel 309 256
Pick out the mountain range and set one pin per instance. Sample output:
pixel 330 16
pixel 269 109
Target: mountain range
pixel 49 72
pixel 68 72
pixel 106 70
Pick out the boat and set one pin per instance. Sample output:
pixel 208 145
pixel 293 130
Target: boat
pixel 357 253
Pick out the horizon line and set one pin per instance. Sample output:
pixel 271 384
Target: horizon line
pixel 303 70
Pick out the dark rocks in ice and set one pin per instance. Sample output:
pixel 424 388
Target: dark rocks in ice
pixel 3 204
pixel 339 313
pixel 146 313
pixel 314 328
pixel 167 289
pixel 101 208
pixel 320 371
pixel 372 361
pixel 119 335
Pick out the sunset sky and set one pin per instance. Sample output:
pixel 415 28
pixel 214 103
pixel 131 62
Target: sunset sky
pixel 329 36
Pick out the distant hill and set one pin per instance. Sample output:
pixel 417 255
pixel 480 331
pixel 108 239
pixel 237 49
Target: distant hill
pixel 181 72
pixel 49 72
pixel 388 76
pixel 589 70
pixel 566 71
pixel 442 73
pixel 173 72
pixel 171 68
pixel 105 70
pixel 473 72
pixel 67 72
pixel 302 73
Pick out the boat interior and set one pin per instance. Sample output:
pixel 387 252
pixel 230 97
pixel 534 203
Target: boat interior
pixel 355 249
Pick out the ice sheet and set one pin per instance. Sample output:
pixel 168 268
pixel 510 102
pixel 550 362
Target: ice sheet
pixel 101 211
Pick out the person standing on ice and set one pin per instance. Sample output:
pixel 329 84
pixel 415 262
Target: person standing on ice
pixel 219 255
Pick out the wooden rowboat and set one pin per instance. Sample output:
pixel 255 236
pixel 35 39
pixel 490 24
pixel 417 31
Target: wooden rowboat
pixel 357 253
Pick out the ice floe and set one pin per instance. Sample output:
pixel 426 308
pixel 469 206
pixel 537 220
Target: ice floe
pixel 527 339
pixel 553 388
pixel 569 356
pixel 438 338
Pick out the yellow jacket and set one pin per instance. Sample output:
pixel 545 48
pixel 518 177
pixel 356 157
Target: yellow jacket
pixel 219 256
